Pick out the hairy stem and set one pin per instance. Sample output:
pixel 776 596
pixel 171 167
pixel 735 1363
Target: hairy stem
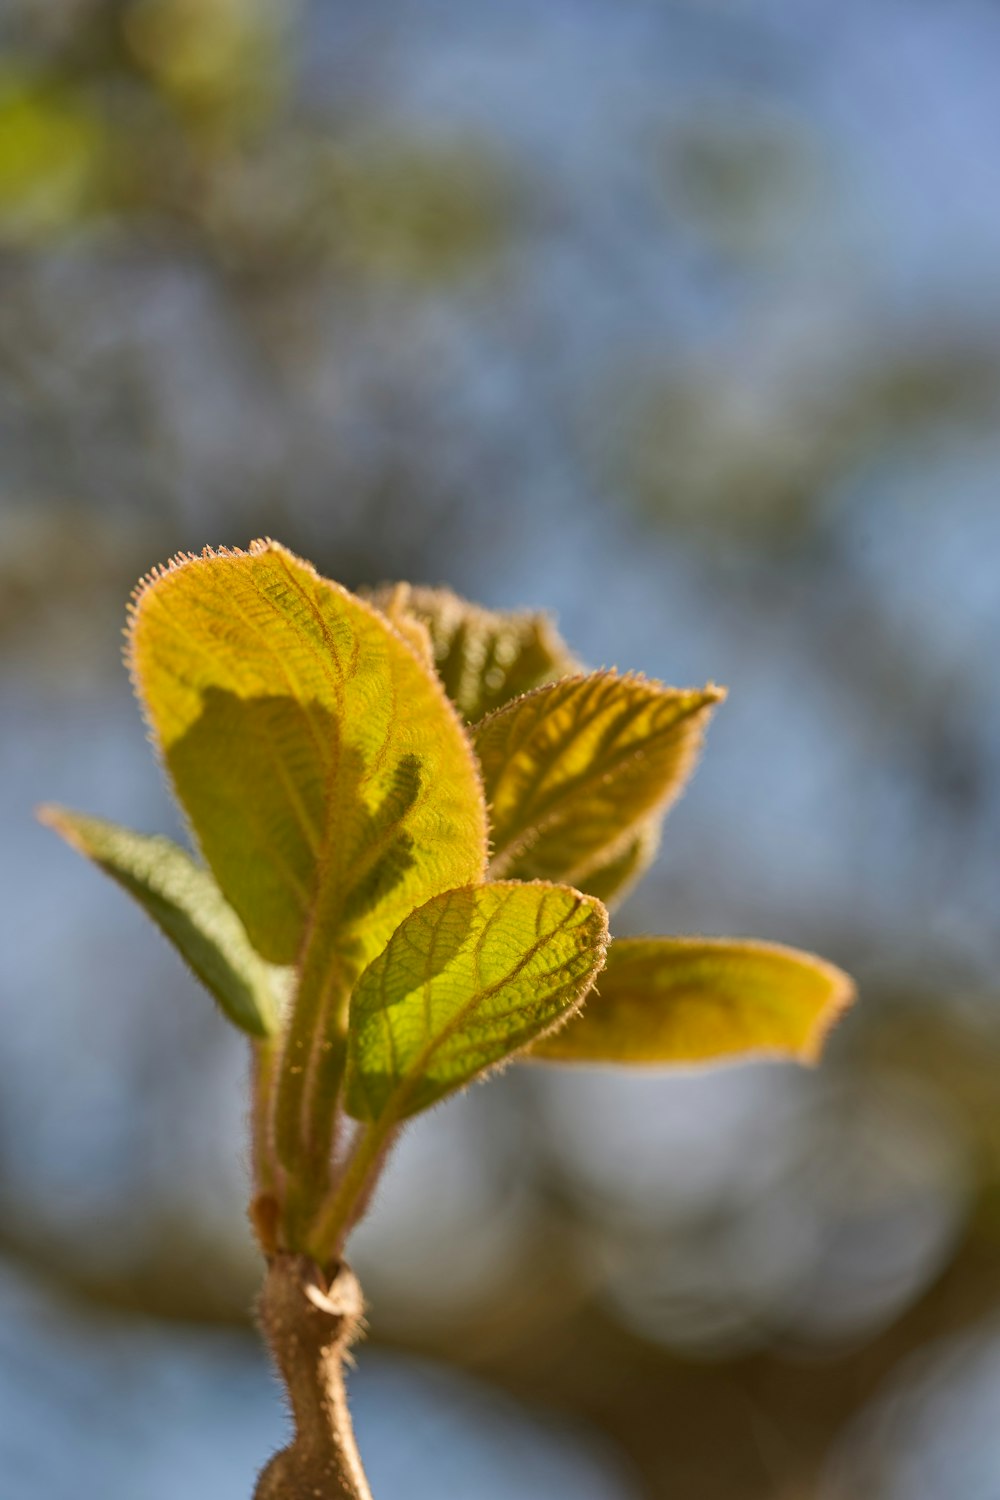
pixel 265 1202
pixel 316 980
pixel 309 1326
pixel 304 1106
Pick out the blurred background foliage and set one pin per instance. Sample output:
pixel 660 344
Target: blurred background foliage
pixel 683 321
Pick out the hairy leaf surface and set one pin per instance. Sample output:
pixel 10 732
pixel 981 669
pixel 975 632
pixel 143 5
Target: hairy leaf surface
pixel 469 978
pixel 186 904
pixel 689 1000
pixel 484 657
pixel 326 777
pixel 574 769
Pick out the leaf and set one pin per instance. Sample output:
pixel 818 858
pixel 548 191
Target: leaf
pixel 688 1000
pixel 484 657
pixel 612 881
pixel 574 769
pixel 467 980
pixel 392 601
pixel 326 777
pixel 188 907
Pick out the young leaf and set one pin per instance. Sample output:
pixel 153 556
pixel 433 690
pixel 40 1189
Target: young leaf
pixel 326 777
pixel 610 882
pixel 573 769
pixel 393 600
pixel 688 1000
pixel 484 657
pixel 188 907
pixel 468 979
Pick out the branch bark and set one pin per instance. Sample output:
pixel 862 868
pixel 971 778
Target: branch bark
pixel 310 1326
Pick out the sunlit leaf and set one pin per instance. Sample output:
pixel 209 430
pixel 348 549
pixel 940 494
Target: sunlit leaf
pixel 484 657
pixel 187 905
pixel 574 769
pixel 325 775
pixel 690 1000
pixel 468 979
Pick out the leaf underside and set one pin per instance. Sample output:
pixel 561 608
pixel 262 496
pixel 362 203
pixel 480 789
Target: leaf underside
pixel 468 979
pixel 327 779
pixel 695 1000
pixel 186 904
pixel 575 771
pixel 611 881
pixel 483 657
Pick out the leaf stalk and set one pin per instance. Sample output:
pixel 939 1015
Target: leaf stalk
pixel 347 1201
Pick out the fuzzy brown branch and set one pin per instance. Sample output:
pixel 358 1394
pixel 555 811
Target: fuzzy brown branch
pixel 310 1325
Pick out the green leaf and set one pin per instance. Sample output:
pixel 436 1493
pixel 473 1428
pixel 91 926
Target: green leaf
pixel 326 776
pixel 484 657
pixel 188 907
pixel 690 1000
pixel 468 979
pixel 573 771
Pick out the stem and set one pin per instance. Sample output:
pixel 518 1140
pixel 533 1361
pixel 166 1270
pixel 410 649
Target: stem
pixel 310 1327
pixel 329 1061
pixel 265 1209
pixel 342 1207
pixel 308 1013
pixel 265 1162
pixel 304 1107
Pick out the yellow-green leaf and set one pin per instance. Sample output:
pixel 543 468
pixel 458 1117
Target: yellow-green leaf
pixel 393 601
pixel 326 777
pixel 665 1000
pixel 188 907
pixel 572 770
pixel 612 880
pixel 484 657
pixel 468 979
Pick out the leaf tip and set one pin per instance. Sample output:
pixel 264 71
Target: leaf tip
pixel 71 827
pixel 50 815
pixel 843 992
